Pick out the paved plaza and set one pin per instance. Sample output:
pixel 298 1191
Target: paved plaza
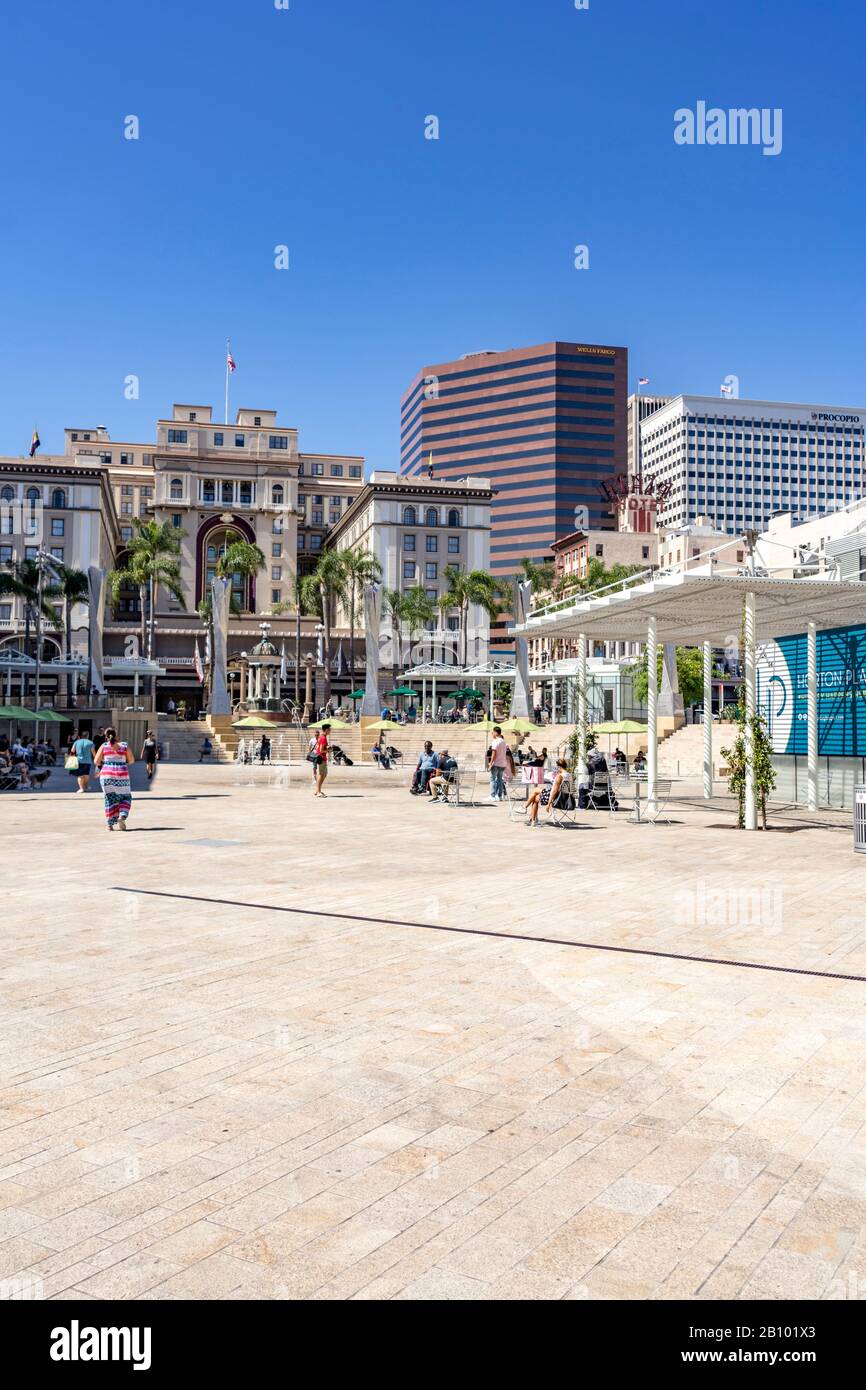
pixel 264 1046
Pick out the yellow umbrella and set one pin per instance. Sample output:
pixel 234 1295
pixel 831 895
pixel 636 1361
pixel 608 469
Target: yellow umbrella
pixel 334 723
pixel 383 724
pixel 519 726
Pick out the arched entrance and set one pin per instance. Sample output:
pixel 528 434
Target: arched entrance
pixel 214 538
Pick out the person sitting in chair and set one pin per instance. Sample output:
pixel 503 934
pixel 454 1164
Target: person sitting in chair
pixel 556 795
pixel 424 769
pixel 379 754
pixel 443 777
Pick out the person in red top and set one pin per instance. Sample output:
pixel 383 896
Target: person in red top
pixel 323 744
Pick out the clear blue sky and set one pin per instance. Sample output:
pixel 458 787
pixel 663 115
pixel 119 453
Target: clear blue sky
pixel 306 127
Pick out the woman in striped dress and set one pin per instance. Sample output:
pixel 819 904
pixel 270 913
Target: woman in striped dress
pixel 113 759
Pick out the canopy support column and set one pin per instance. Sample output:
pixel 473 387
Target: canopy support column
pixel 751 703
pixel 423 699
pixel 708 721
pixel 553 699
pixel 433 709
pixel 652 716
pixel 490 704
pixel 581 708
pixel 812 715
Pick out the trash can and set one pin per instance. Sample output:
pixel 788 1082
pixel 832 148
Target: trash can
pixel 860 818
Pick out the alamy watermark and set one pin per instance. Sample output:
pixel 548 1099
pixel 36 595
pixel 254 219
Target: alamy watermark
pixel 705 906
pixel 737 126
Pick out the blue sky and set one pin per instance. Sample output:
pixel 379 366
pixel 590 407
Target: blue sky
pixel 305 127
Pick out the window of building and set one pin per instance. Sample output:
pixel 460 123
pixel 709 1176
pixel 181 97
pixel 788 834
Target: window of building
pixel 431 570
pixel 431 517
pixel 302 540
pixel 218 439
pixel 227 492
pixel 57 552
pixel 74 434
pixel 336 470
pixel 276 549
pixel 454 517
pixel 432 543
pixel 599 552
pixel 5 608
pixel 175 491
pixel 126 508
pixel 278 441
pixel 318 470
pixel 432 594
pixel 177 436
pixel 246 494
pixel 32 494
pixel 277 495
pixel 126 533
pixel 453 545
pixel 6 494
pixel 5 554
pixel 317 516
pixel 58 497
pixel 7 525
pixel 31 552
pixel 408 542
pixel 175 520
pixel 127 490
pixel 239 441
pixel 208 490
pixel 409 516
pixel 315 542
pixel 277 527
pixel 355 470
pixel 453 624
pixel 276 571
pixel 58 526
pixel 276 596
pixel 408 569
pixel 257 419
pixel 147 491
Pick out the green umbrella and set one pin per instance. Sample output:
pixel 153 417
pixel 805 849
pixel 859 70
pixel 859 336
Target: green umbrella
pixel 50 716
pixel 17 712
pixel 253 721
pixel 357 694
pixel 401 690
pixel 472 694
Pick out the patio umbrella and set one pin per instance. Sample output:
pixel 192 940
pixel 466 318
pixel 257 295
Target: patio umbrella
pixel 402 690
pixel 253 721
pixel 471 694
pixel 519 726
pixel 50 716
pixel 334 723
pixel 620 728
pixel 385 724
pixel 357 695
pixel 18 712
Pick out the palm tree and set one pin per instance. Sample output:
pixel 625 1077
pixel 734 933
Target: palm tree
pixel 240 557
pixel 541 576
pixel 151 563
pixel 21 580
pixel 322 591
pixel 75 588
pixel 417 610
pixel 361 567
pixel 465 589
pixel 394 606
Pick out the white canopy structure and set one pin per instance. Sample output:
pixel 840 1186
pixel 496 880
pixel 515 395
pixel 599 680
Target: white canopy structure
pixel 708 609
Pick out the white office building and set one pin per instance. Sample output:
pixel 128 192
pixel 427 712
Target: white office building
pixel 738 462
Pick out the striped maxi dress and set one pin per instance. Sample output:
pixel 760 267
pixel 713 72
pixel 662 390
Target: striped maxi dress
pixel 114 781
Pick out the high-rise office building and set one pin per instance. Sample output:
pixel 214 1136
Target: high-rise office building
pixel 546 424
pixel 639 407
pixel 737 462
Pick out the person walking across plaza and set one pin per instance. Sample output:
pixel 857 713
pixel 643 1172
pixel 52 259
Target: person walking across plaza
pixel 497 764
pixel 113 760
pixel 265 749
pixel 83 752
pixel 150 753
pixel 323 745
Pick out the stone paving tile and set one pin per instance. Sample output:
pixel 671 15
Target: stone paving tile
pixel 205 1101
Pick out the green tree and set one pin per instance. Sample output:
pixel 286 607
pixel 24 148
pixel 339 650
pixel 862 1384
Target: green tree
pixel 151 564
pixel 394 607
pixel 690 671
pixel 417 611
pixel 326 588
pixel 21 580
pixel 736 763
pixel 240 557
pixel 361 567
pixel 541 577
pixel 467 588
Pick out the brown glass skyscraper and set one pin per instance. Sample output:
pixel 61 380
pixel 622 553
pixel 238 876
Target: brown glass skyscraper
pixel 546 424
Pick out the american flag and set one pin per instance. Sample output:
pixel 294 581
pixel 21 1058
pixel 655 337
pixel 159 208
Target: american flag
pixel 643 381
pixel 726 390
pixel 230 361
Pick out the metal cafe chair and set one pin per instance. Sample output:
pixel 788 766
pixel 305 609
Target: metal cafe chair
pixel 660 815
pixel 461 788
pixel 517 792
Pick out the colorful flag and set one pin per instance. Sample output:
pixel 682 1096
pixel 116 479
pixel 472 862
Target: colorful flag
pixel 230 361
pixel 284 665
pixel 197 663
pixel 35 441
pixel 643 381
pixel 430 465
pixel 726 390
